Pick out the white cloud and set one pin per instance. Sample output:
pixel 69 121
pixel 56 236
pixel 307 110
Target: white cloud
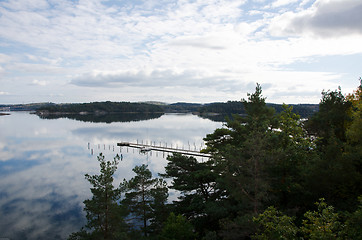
pixel 4 93
pixel 34 68
pixel 125 48
pixel 325 18
pixel 305 2
pixel 155 78
pixel 279 3
pixel 39 83
pixel 17 5
pixel 4 58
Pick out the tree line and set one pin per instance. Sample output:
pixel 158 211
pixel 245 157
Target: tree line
pixel 237 107
pixel 100 108
pixel 271 176
pixel 105 118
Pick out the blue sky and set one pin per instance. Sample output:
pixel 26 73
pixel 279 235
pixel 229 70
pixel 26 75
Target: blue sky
pixel 170 51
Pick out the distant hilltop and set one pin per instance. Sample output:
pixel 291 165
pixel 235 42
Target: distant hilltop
pixel 218 108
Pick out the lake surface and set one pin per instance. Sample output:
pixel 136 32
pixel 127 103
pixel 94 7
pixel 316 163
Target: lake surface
pixel 43 162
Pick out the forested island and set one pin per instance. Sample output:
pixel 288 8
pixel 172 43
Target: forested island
pixel 270 176
pixel 101 108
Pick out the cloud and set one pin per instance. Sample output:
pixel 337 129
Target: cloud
pixel 325 18
pixel 39 83
pixel 154 78
pixel 4 58
pixel 279 3
pixel 26 4
pixel 198 42
pixel 4 93
pixel 127 48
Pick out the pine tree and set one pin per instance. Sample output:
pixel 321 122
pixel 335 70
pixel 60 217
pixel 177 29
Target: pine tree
pixel 242 151
pixel 104 214
pixel 200 199
pixel 141 194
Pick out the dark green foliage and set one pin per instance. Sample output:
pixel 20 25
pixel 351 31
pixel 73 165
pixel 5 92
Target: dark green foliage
pixel 104 214
pixel 237 107
pixel 293 155
pixel 181 107
pixel 105 118
pixel 177 228
pixel 200 200
pixel 145 199
pixel 324 223
pixel 337 174
pixel 102 107
pixel 331 119
pixel 274 225
pixel 230 107
pixel 259 159
pixel 267 159
pixel 241 150
pixel 243 155
pixel 352 228
pixel 321 224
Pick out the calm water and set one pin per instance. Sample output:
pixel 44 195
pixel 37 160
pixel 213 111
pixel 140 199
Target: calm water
pixel 43 162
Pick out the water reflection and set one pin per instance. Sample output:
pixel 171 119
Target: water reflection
pixel 43 162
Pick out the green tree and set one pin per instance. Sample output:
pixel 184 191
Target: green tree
pixel 144 196
pixel 321 224
pixel 159 206
pixel 272 224
pixel 293 157
pixel 331 119
pixel 177 228
pixel 337 174
pixel 352 229
pixel 354 129
pixel 242 152
pixel 200 200
pixel 105 217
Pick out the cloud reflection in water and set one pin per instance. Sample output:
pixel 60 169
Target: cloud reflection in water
pixel 43 162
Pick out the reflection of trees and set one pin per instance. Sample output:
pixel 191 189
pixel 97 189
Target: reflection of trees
pixel 106 118
pixel 214 117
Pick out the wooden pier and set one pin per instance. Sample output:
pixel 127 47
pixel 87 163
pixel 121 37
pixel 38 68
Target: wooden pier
pixel 146 148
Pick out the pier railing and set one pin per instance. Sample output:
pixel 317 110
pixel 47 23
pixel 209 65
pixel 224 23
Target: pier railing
pixel 149 147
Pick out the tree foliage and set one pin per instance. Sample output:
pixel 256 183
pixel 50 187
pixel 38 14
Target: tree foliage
pixel 337 173
pixel 241 151
pixel 275 225
pixel 258 160
pixel 145 198
pixel 200 198
pixel 177 228
pixel 104 214
pixel 320 224
pixel 102 107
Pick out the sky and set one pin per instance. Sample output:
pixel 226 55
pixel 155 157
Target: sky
pixel 178 50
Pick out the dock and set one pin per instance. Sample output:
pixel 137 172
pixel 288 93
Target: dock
pixel 146 148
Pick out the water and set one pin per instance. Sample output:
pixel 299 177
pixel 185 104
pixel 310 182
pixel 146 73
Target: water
pixel 43 162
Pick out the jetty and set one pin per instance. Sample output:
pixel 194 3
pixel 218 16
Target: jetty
pixel 144 148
